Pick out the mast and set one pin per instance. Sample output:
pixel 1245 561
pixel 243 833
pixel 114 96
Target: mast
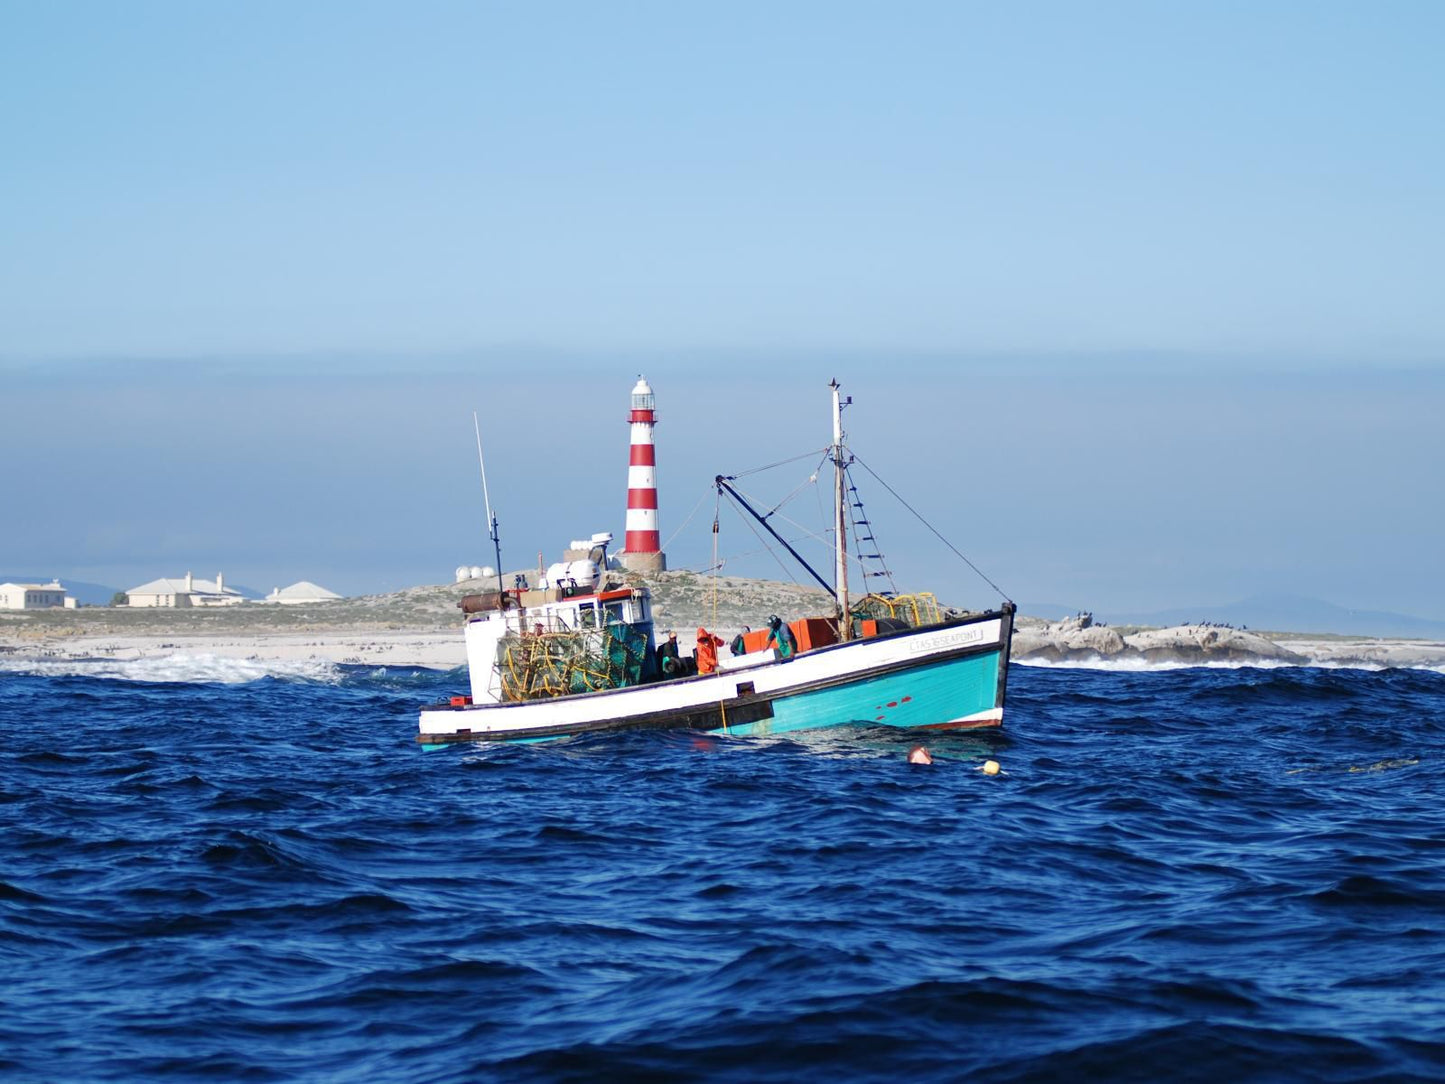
pixel 840 507
pixel 491 519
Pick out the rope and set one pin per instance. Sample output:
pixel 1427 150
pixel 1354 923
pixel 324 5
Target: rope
pixel 722 706
pixel 931 528
pixel 717 505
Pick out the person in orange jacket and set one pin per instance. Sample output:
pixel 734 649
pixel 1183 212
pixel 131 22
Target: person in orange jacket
pixel 707 645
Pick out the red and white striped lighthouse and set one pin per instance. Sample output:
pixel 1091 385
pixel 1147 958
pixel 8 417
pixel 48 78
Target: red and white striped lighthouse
pixel 642 550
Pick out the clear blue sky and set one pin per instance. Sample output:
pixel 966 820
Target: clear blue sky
pixel 1181 264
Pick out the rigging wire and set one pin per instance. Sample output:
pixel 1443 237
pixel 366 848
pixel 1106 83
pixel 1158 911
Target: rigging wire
pixel 931 528
pixel 823 536
pixel 810 534
pixel 673 537
pixel 818 492
pixel 811 480
pixel 766 548
pixel 725 558
pixel 770 466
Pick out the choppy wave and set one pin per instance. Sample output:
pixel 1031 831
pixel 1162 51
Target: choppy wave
pixel 1184 874
pixel 197 667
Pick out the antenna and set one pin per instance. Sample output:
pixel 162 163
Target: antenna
pixel 487 500
pixel 840 511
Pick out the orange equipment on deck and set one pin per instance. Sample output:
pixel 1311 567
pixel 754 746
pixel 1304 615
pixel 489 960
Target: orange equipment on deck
pixel 810 632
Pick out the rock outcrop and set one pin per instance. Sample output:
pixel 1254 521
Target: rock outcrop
pixel 1078 639
pixel 1073 638
pixel 1207 643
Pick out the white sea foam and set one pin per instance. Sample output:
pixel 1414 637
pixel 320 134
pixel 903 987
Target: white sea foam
pixel 1138 665
pixel 189 668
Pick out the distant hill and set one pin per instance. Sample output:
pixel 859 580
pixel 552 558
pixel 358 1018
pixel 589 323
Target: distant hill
pixel 1289 613
pixel 88 594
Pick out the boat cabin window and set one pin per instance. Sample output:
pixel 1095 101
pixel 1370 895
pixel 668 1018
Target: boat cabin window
pixel 615 614
pixel 587 617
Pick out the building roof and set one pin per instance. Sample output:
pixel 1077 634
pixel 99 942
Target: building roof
pixel 165 586
pixel 305 591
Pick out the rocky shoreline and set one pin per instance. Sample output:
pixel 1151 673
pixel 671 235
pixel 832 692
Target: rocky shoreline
pixel 421 626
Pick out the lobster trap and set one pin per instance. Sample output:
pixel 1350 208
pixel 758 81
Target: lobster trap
pixel 541 665
pixel 913 610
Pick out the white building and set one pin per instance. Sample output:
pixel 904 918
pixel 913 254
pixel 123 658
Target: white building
pixel 187 592
pixel 297 593
pixel 33 596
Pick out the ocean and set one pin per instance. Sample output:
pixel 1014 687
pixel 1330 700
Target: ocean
pixel 242 871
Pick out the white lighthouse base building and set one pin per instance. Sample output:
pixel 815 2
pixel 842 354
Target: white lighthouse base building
pixel 643 562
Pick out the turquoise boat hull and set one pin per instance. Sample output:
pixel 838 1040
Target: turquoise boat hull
pixel 953 689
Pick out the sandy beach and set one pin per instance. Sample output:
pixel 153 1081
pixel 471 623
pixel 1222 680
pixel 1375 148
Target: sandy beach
pixel 437 650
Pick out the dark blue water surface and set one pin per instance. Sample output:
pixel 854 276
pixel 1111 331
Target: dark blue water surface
pixel 1200 874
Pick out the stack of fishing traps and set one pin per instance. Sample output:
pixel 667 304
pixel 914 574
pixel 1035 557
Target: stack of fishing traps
pixel 547 664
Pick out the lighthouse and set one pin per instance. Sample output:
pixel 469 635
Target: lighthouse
pixel 642 551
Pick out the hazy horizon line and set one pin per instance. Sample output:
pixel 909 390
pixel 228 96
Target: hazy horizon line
pixel 377 361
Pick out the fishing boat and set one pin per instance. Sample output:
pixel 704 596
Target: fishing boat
pixel 576 653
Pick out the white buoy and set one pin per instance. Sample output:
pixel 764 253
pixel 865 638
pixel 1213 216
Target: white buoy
pixel 990 767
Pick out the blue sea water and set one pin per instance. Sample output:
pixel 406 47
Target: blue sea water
pixel 1189 874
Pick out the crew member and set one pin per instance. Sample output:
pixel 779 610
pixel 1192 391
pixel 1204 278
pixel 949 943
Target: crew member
pixel 706 655
pixel 780 636
pixel 669 664
pixel 739 645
